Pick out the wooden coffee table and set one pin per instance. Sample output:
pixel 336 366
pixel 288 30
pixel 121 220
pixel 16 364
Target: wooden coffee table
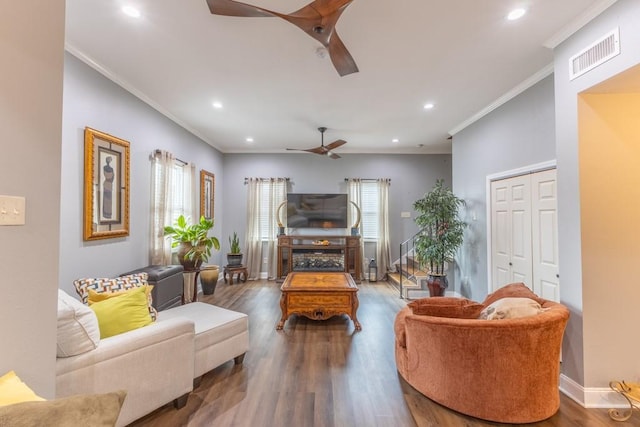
pixel 319 296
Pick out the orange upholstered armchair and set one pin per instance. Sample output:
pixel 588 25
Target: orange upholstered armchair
pixel 503 370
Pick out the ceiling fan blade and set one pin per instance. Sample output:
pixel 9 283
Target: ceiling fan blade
pixel 318 19
pixel 335 144
pixel 316 150
pixel 235 8
pixel 334 156
pixel 340 56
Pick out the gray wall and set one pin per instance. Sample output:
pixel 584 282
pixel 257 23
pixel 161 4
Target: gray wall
pixel 517 134
pixel 411 176
pixel 580 351
pixel 31 60
pixel 92 100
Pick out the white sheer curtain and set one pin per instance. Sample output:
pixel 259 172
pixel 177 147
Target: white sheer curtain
pixel 264 195
pixel 172 195
pixel 380 221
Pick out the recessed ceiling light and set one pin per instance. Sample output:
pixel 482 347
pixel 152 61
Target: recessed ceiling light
pixel 249 139
pixel 217 104
pixel 395 140
pixel 516 14
pixel 428 106
pixel 131 11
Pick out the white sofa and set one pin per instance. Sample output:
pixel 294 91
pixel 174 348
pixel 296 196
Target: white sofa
pixel 155 364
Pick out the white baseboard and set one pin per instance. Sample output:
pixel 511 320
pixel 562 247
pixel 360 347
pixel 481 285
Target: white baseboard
pixel 592 397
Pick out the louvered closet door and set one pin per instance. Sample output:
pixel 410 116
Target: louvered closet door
pixel 524 230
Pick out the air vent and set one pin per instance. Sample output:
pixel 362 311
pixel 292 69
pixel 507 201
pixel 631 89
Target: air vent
pixel 598 53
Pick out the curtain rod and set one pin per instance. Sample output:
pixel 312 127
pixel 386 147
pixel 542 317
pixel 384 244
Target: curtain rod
pixel 158 151
pixel 367 179
pixel 246 180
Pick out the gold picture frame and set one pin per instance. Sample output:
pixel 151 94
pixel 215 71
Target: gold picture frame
pixel 106 186
pixel 207 192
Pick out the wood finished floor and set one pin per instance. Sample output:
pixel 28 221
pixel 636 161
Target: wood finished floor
pixel 324 374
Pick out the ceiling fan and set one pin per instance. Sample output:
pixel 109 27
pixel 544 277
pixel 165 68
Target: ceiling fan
pixel 324 150
pixel 318 19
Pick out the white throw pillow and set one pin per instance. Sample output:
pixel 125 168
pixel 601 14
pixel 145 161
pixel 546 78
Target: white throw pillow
pixel 511 308
pixel 78 330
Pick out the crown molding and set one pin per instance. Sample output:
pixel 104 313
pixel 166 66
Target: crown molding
pixel 109 74
pixel 546 71
pixel 579 22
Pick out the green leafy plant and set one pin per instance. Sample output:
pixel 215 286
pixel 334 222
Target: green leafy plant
pixel 194 238
pixel 234 243
pixel 441 230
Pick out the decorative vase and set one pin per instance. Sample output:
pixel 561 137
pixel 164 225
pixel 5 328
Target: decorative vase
pixel 209 278
pixel 437 283
pixel 189 265
pixel 234 259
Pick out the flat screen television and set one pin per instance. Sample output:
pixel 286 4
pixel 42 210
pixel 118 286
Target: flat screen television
pixel 314 210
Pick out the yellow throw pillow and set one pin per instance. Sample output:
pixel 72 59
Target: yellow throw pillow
pixel 95 297
pixel 122 313
pixel 13 390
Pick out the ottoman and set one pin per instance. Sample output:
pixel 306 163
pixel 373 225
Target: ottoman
pixel 168 284
pixel 220 334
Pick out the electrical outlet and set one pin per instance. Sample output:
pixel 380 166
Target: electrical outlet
pixel 12 210
pixel 405 214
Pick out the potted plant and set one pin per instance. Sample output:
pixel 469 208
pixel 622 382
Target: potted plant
pixel 192 240
pixel 441 233
pixel 234 257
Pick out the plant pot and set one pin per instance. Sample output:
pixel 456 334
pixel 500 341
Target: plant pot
pixel 437 283
pixel 234 259
pixel 209 278
pixel 189 265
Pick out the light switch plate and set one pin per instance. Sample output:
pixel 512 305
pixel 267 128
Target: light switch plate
pixel 12 210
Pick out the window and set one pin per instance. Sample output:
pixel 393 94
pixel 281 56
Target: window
pixel 173 194
pixel 270 196
pixel 181 192
pixel 370 210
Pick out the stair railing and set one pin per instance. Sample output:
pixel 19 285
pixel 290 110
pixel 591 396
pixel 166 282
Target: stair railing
pixel 407 247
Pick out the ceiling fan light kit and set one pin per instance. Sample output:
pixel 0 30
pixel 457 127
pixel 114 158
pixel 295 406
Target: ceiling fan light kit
pixel 318 19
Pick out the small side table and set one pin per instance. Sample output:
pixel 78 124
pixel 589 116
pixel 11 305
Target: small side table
pixel 190 278
pixel 239 270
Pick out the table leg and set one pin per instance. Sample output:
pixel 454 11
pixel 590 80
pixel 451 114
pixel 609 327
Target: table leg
pixel 354 309
pixel 195 286
pixel 283 308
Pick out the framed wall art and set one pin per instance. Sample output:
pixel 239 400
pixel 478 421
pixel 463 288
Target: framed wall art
pixel 106 186
pixel 207 187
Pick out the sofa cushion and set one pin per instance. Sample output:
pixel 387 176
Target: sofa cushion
pixel 94 410
pixel 446 307
pixel 511 308
pixel 122 313
pixel 78 330
pixel 13 390
pixel 95 297
pixel 516 290
pixel 117 284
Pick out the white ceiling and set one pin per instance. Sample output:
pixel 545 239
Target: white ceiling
pixel 461 55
